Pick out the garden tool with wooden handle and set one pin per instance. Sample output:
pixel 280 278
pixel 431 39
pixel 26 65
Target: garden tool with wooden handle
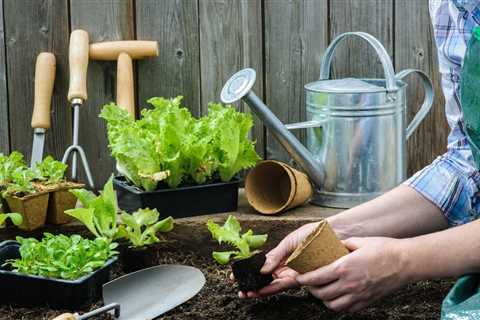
pixel 124 51
pixel 147 293
pixel 77 95
pixel 44 80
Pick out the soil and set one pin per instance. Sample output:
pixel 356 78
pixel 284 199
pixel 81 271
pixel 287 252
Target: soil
pixel 218 300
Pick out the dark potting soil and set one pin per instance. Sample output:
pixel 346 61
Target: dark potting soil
pixel 247 273
pixel 218 300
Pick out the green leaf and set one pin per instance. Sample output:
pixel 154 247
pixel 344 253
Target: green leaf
pixel 85 216
pixel 50 170
pixel 230 233
pixel 16 218
pixel 223 257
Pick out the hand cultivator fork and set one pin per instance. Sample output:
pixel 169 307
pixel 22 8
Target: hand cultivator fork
pixel 77 94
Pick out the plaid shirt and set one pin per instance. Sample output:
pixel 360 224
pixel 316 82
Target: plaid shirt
pixel 452 181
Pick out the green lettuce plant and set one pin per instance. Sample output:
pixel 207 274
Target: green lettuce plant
pixel 141 227
pixel 62 257
pixel 169 144
pixel 99 213
pixel 16 219
pixel 50 171
pixel 9 165
pixel 245 245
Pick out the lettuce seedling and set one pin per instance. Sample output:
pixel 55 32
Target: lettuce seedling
pixel 246 244
pixel 141 227
pixel 20 183
pixel 16 219
pixel 99 213
pixel 62 257
pixel 50 171
pixel 10 164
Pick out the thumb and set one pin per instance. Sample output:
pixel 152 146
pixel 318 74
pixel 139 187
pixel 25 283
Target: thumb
pixel 354 243
pixel 273 259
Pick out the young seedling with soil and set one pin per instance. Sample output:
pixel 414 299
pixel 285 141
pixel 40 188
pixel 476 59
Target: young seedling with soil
pixel 248 259
pixel 138 231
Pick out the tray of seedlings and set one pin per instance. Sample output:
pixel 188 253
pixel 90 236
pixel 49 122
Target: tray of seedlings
pixel 176 163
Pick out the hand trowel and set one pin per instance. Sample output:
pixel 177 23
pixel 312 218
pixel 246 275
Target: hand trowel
pixel 147 294
pixel 44 80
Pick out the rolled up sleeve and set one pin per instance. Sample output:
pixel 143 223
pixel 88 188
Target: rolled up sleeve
pixel 451 183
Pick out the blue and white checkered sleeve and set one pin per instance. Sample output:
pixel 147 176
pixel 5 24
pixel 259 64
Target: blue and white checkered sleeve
pixel 450 183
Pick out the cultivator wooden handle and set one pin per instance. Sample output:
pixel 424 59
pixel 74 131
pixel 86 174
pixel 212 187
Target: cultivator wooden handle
pixel 44 80
pixel 66 316
pixel 78 61
pixel 125 90
pixel 136 49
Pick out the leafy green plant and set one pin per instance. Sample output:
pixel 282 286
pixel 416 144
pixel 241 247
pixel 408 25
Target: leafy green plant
pixel 50 171
pixel 9 165
pixel 142 226
pixel 20 183
pixel 99 213
pixel 246 245
pixel 169 144
pixel 16 219
pixel 62 257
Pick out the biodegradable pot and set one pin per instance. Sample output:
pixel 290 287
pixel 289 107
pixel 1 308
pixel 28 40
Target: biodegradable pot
pixel 134 259
pixel 320 248
pixel 182 201
pixel 247 273
pixel 32 207
pixel 61 199
pixel 273 187
pixel 27 290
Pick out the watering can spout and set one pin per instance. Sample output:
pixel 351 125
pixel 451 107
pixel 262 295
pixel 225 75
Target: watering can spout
pixel 239 86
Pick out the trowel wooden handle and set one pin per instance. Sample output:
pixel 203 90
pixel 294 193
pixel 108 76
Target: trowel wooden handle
pixel 66 316
pixel 78 62
pixel 44 80
pixel 125 90
pixel 136 49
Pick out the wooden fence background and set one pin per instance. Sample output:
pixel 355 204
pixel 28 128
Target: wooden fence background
pixel 202 42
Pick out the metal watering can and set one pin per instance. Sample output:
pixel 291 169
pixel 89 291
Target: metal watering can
pixel 356 128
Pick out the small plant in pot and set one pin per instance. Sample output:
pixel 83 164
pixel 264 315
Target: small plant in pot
pixel 176 163
pixel 50 177
pixel 140 229
pixel 248 259
pixel 20 193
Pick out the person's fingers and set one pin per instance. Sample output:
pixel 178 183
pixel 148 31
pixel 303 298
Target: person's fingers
pixel 231 276
pixel 329 292
pixel 354 243
pixel 275 257
pixel 319 277
pixel 241 295
pixel 284 272
pixel 341 303
pixel 277 286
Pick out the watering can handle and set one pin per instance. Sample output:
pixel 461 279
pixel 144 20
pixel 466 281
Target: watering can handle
pixel 379 48
pixel 427 101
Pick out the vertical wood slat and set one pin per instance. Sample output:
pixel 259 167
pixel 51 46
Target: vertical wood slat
pixel 295 39
pixel 174 24
pixel 355 58
pixel 415 48
pixel 230 40
pixel 30 28
pixel 4 126
pixel 104 21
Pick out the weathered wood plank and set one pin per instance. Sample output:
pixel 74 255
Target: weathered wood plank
pixel 355 58
pixel 174 24
pixel 4 126
pixel 30 28
pixel 295 39
pixel 104 21
pixel 231 39
pixel 415 48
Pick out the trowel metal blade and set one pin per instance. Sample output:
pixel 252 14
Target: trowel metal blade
pixel 148 293
pixel 37 148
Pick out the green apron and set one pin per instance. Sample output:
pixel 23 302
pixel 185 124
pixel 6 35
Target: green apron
pixel 463 300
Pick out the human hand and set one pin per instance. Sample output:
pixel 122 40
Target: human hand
pixel 284 277
pixel 375 268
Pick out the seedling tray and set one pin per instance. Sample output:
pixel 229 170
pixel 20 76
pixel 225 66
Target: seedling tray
pixel 26 290
pixel 180 202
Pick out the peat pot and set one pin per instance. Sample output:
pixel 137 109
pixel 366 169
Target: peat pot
pixel 179 202
pixel 356 128
pixel 32 207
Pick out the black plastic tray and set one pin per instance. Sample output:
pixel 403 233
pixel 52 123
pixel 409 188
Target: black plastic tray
pixel 180 202
pixel 26 290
